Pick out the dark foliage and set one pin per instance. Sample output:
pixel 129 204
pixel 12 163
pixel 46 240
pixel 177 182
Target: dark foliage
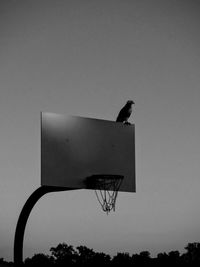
pixel 39 260
pixel 66 255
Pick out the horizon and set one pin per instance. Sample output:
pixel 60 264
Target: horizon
pixel 112 256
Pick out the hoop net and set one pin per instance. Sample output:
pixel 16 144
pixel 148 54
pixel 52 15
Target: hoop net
pixel 106 190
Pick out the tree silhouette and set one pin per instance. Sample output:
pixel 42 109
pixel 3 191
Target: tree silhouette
pixel 192 256
pixel 162 259
pixel 64 254
pixel 101 259
pixel 143 259
pixel 85 256
pixel 174 257
pixel 39 260
pixel 121 258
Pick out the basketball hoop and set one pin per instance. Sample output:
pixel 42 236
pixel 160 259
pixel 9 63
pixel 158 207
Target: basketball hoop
pixel 106 189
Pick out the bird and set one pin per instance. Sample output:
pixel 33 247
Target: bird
pixel 125 112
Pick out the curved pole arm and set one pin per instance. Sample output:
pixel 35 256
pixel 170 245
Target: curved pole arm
pixel 23 217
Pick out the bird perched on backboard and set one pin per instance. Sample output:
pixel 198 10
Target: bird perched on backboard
pixel 125 112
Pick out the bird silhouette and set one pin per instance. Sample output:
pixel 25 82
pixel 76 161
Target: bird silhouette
pixel 125 112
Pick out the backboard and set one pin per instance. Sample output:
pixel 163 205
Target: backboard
pixel 75 148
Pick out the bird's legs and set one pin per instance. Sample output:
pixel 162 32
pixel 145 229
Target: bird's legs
pixel 127 123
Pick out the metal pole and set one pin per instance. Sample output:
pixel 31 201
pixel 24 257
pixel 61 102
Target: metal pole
pixel 23 217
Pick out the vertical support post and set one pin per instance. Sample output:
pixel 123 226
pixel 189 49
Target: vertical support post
pixel 23 217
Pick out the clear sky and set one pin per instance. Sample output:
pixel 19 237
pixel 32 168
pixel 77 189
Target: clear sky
pixel 88 58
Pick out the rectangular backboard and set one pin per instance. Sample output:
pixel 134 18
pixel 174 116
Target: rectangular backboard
pixel 74 148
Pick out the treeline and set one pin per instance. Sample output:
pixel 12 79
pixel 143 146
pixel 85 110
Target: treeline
pixel 67 255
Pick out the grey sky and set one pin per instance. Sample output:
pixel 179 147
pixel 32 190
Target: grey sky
pixel 88 58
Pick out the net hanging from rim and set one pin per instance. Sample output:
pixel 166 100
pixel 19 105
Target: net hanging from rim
pixel 106 189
